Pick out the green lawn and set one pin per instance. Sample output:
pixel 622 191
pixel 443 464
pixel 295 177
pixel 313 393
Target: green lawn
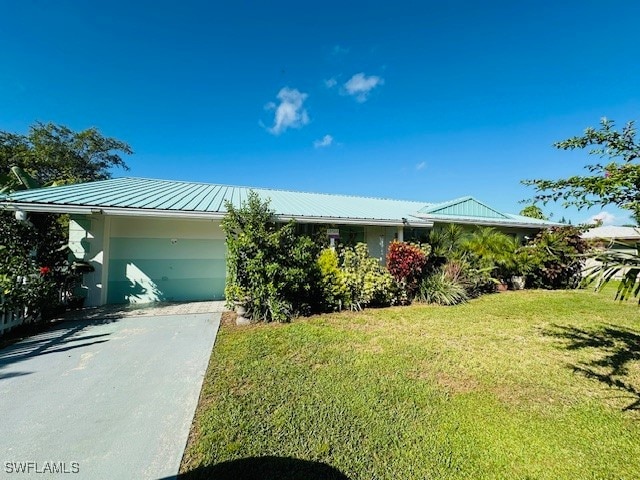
pixel 530 384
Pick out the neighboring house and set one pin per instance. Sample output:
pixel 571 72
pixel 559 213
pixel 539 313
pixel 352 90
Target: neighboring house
pixel 619 239
pixel 152 240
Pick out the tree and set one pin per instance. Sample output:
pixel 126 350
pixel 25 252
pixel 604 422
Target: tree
pixel 53 153
pixel 533 211
pixel 613 181
pixel 33 253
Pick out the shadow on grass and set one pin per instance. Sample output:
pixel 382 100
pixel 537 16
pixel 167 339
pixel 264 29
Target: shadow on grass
pixel 614 349
pixel 266 468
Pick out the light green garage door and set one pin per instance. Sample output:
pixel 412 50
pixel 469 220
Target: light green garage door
pixel 175 266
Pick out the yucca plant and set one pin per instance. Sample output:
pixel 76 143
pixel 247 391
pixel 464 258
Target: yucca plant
pixel 438 288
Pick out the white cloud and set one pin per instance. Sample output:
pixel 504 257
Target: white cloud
pixel 331 82
pixel 290 112
pixel 421 165
pixel 359 86
pixel 605 217
pixel 339 50
pixel 325 141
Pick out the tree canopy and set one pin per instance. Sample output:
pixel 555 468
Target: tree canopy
pixel 613 180
pixel 53 153
pixel 533 211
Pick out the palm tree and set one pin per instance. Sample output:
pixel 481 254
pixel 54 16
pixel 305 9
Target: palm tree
pixel 610 264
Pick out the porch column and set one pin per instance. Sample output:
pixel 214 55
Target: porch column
pixel 401 234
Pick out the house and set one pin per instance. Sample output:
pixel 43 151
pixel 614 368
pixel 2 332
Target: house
pixel 152 240
pixel 612 238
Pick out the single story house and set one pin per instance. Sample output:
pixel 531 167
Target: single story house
pixel 613 238
pixel 160 240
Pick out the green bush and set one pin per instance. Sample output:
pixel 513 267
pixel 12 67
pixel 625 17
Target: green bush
pixel 368 283
pixel 554 258
pixel 270 269
pixel 335 293
pixel 31 260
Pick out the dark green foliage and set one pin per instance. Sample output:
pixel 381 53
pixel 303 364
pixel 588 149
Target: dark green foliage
pixel 478 259
pixel 48 154
pixel 270 269
pixel 555 258
pixel 616 181
pixel 533 211
pixel 32 256
pixel 54 153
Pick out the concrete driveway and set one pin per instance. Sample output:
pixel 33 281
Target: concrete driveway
pixel 108 396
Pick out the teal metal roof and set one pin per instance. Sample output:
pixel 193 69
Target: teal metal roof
pixel 464 207
pixel 166 195
pixel 140 196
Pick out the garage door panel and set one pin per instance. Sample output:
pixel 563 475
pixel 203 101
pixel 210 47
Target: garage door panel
pixel 156 248
pixel 195 289
pixel 145 270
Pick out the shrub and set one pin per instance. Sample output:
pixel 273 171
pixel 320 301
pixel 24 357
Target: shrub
pixel 491 250
pixel 367 282
pixel 554 258
pixel 438 288
pixel 407 262
pixel 335 293
pixel 270 269
pixel 31 261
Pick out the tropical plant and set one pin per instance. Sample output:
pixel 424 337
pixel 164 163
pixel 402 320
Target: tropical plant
pixel 440 289
pixel 407 263
pixel 613 264
pixel 491 250
pixel 556 257
pixel 368 283
pixel 445 242
pixel 31 266
pixel 335 293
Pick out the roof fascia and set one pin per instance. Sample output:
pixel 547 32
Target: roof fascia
pixel 140 212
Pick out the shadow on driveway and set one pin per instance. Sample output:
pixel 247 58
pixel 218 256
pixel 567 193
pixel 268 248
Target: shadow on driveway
pixel 64 336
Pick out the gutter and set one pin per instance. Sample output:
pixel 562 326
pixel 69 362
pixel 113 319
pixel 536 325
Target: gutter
pixel 155 213
pixel 488 222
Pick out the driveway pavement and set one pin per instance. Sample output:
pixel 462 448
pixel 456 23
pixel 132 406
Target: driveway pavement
pixel 107 396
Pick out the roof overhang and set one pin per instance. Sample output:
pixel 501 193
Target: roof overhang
pixel 490 222
pixel 185 214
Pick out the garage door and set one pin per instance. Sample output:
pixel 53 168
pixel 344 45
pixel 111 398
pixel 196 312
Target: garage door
pixel 174 266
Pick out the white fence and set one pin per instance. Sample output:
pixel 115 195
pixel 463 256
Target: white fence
pixel 10 318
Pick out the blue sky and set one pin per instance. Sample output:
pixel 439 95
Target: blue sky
pixel 414 100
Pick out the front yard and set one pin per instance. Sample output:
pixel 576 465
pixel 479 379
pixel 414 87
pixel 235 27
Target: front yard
pixel 532 384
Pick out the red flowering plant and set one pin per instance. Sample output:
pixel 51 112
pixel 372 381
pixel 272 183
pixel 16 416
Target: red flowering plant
pixel 29 263
pixel 407 263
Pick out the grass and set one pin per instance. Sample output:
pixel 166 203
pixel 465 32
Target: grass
pixel 530 384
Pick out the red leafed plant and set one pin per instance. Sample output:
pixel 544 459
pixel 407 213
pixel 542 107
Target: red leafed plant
pixel 406 262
